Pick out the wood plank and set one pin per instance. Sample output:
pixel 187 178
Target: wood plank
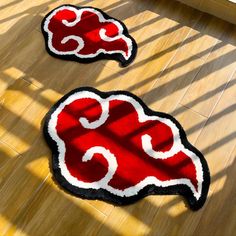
pixel 11 107
pixel 6 154
pixel 21 130
pixel 170 86
pixel 216 72
pixel 20 185
pixel 16 64
pixel 189 119
pixel 17 20
pixel 52 212
pixel 8 157
pixel 134 219
pixel 207 32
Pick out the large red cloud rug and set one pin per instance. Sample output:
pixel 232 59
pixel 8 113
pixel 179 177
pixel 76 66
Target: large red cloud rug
pixel 111 146
pixel 87 34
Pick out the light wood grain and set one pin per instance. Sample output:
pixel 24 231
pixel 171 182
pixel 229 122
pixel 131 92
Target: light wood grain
pixel 225 9
pixel 216 72
pixel 173 82
pixel 85 218
pixel 206 34
pixel 6 155
pixel 185 66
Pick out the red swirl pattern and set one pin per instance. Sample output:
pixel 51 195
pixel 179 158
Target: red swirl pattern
pixel 121 135
pixel 87 34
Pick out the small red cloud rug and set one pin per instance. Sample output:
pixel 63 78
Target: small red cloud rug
pixel 87 34
pixel 111 146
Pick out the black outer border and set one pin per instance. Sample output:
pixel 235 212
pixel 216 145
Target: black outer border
pixel 116 56
pixel 148 190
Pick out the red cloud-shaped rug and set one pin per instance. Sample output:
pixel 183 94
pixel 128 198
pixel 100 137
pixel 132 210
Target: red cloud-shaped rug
pixel 87 34
pixel 111 146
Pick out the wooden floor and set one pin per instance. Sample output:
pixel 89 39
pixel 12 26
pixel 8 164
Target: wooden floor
pixel 186 66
